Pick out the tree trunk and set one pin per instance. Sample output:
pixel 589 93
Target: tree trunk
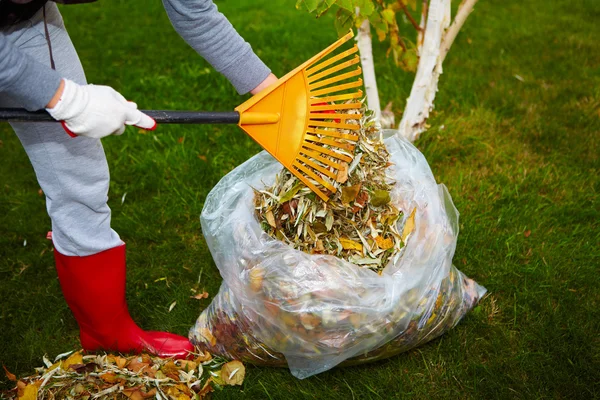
pixel 363 40
pixel 422 94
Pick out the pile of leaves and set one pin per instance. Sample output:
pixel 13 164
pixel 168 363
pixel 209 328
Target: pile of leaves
pixel 359 223
pixel 85 377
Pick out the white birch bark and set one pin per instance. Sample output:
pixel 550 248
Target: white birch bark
pixel 365 48
pixel 422 94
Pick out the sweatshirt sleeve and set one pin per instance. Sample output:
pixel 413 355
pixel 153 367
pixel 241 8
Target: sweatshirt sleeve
pixel 209 32
pixel 28 82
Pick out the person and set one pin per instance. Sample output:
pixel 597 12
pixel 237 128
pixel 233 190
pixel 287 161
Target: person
pixel 39 68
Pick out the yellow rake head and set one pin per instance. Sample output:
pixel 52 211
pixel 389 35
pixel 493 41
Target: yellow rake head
pixel 303 119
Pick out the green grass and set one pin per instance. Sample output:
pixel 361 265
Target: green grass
pixel 520 159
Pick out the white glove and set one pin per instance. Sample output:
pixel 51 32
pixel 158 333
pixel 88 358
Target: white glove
pixel 96 111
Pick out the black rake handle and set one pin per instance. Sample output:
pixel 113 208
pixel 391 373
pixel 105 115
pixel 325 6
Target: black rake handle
pixel 160 116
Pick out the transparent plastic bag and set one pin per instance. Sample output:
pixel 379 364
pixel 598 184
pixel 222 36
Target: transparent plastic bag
pixel 279 306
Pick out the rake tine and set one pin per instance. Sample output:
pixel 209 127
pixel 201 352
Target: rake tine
pixel 334 134
pixel 346 146
pixel 337 88
pixel 318 167
pixel 307 182
pixel 334 116
pixel 321 159
pixel 322 150
pixel 325 124
pixel 319 67
pixel 315 177
pixel 331 70
pixel 335 79
pixel 345 96
pixel 334 107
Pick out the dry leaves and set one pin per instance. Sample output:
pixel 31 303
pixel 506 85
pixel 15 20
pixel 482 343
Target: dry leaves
pixel 138 377
pixel 360 223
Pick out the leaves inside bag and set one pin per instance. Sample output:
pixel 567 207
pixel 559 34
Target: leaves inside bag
pixel 360 221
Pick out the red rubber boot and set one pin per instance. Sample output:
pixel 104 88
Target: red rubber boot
pixel 94 288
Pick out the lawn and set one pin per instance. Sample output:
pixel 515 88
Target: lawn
pixel 515 137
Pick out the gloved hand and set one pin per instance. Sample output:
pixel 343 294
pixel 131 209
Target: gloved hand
pixel 96 111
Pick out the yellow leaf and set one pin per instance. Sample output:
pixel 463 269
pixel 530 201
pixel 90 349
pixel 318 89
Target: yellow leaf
pixel 208 336
pixel 271 218
pixel 384 244
pixel 409 226
pixel 186 365
pixel 349 193
pixel 233 373
pixel 349 244
pixel 30 392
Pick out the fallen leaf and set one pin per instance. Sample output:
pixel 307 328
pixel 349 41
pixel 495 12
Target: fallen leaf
pixel 319 246
pixel 290 206
pixel 349 244
pixel 271 219
pixel 171 370
pixel 342 175
pixel 207 334
pixel 202 357
pixel 256 276
pixel 409 226
pixel 29 392
pixel 136 364
pixel 233 373
pixel 172 306
pixel 349 193
pixel 180 140
pixel 74 358
pixel 200 296
pixel 384 244
pixel 287 196
pixel 186 365
pixel 203 158
pixel 380 198
pixel 9 375
pixel 527 233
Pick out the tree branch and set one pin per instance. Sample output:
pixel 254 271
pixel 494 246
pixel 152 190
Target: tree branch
pixel 409 16
pixel 464 9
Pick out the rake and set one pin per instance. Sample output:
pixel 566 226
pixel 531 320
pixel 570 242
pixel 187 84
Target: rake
pixel 302 120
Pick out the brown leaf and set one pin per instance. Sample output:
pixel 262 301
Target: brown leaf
pixel 349 193
pixel 9 375
pixel 233 373
pixel 180 140
pixel 202 157
pixel 288 206
pixel 527 233
pixel 134 393
pixel 200 296
pixel 319 248
pixel 111 377
pixel 136 364
pixel 342 175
